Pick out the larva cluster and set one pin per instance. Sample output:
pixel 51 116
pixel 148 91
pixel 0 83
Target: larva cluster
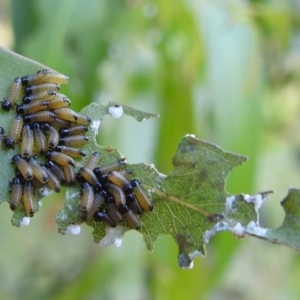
pixel 49 135
pixel 108 196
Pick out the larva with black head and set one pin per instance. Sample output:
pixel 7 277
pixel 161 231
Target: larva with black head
pixel 87 200
pixel 131 218
pixel 71 151
pixel 74 130
pixel 27 198
pixel 45 76
pixel 16 193
pixel 115 166
pixel 60 158
pixel 57 103
pixel 99 199
pixel 53 135
pixel 141 196
pixel 23 166
pixel 56 170
pixel 27 142
pixel 59 123
pixel 69 173
pixel 118 195
pixel 112 210
pixel 34 89
pixel 88 175
pixel 44 95
pixel 38 171
pixel 14 132
pixel 118 178
pixel 74 140
pixel 39 138
pixel 133 204
pixel 40 116
pixel 87 170
pixel 53 77
pixel 70 115
pixel 101 216
pixel 53 182
pixel 32 107
pixel 13 94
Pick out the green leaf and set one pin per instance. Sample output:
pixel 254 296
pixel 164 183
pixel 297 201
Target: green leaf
pixel 190 204
pixel 190 201
pixel 289 232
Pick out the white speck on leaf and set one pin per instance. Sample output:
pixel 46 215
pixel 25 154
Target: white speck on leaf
pixel 95 126
pixel 229 202
pixel 116 111
pixel 25 221
pixel 73 229
pixel 113 236
pixel 238 230
pixel 254 228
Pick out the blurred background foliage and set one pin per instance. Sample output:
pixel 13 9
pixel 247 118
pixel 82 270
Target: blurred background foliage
pixel 225 70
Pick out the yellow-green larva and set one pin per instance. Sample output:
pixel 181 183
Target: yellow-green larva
pixel 39 138
pixel 13 94
pixel 34 89
pixel 28 201
pixel 87 199
pixel 45 76
pixel 60 158
pixel 23 166
pixel 27 142
pixel 14 132
pixel 16 193
pixel 38 171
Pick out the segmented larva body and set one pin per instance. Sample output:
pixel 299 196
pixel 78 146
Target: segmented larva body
pixel 16 193
pixel 87 199
pixel 73 140
pixel 71 151
pixel 32 107
pixel 13 94
pixel 23 166
pixel 38 171
pixel 28 201
pixel 14 132
pixel 27 142
pixel 39 138
pixel 40 116
pixel 44 95
pixel 34 89
pixel 45 76
pixel 60 158
pixel 53 182
pixel 69 174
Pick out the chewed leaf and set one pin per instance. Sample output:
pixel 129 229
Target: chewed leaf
pixel 289 232
pixel 70 213
pixel 97 111
pixel 189 201
pixel 190 204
